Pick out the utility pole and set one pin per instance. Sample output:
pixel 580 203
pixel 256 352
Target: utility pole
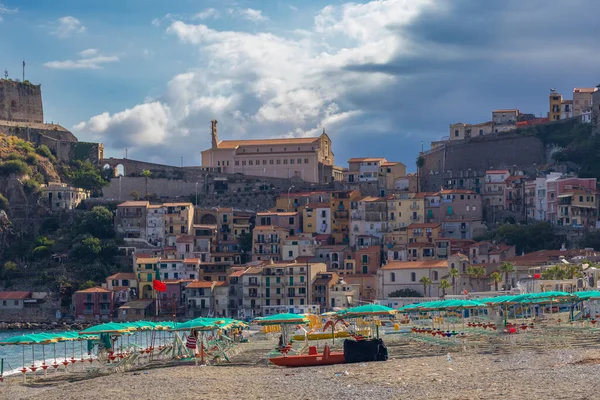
pixel 23 70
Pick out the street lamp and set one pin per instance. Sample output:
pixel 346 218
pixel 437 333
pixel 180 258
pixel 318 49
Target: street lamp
pixel 288 207
pixel 120 176
pixel 196 194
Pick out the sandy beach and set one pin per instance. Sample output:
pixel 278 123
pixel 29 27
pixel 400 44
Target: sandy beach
pixel 545 374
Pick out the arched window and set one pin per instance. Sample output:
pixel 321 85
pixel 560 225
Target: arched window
pixel 13 104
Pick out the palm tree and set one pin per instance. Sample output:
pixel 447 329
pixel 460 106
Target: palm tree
pixel 146 174
pixel 496 277
pixel 425 281
pixel 454 274
pixel 444 284
pixel 420 164
pixel 507 268
pixel 475 273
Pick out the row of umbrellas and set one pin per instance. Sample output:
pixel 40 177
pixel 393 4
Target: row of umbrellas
pixel 528 298
pixel 354 312
pixel 92 332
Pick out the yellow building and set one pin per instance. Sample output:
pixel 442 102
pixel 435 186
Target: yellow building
pixel 405 209
pixel 179 218
pixel 145 271
pixel 341 204
pixel 555 100
pixel 424 233
pixel 296 201
pixel 578 207
pixel 267 242
pixel 316 218
pixel 389 173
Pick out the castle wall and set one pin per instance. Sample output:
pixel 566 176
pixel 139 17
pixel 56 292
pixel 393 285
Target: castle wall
pixel 20 101
pixel 472 157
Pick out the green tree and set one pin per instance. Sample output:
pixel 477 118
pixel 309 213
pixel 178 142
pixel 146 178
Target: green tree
pixel 16 167
pixel 146 174
pixel 135 194
pixel 98 222
pixel 86 175
pixel 475 273
pixel 3 202
pixel 44 151
pixel 444 284
pixel 496 277
pixel 87 250
pixel 453 273
pixel 420 163
pixel 528 238
pixel 407 292
pixel 425 281
pixel 87 285
pixel 556 272
pixel 507 268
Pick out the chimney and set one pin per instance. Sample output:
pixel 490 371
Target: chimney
pixel 214 135
pixel 563 247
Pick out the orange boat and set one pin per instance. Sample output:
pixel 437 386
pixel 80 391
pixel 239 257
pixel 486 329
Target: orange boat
pixel 313 358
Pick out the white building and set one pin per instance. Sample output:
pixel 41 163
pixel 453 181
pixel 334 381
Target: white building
pixel 364 169
pixel 541 195
pixel 368 219
pixel 60 195
pixel 206 298
pixel 179 269
pixel 298 246
pixel 566 109
pixel 344 295
pixel 407 275
pixel 155 225
pixel 495 184
pixel 505 120
pixel 323 219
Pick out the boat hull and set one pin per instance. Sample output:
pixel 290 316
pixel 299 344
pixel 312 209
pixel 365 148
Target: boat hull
pixel 309 360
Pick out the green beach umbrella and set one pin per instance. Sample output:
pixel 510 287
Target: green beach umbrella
pixel 368 309
pixel 110 327
pixel 280 319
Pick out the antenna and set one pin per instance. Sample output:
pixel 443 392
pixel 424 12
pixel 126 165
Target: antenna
pixel 5 73
pixel 23 70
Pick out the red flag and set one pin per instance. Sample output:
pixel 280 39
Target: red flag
pixel 537 276
pixel 159 286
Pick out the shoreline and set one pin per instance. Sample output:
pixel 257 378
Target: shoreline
pixel 557 373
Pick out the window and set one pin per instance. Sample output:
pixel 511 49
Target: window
pixel 435 275
pixel 166 275
pixel 291 220
pixel 271 162
pixel 299 161
pixel 413 277
pixel 243 162
pixel 264 162
pixel 456 133
pixel 290 253
pixel 285 161
pixel 278 162
pixel 365 258
pixel 306 161
pixel 393 277
pixel 365 269
pixel 250 162
pixel 291 161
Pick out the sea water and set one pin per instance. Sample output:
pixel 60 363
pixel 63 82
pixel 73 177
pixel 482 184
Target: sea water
pixel 34 354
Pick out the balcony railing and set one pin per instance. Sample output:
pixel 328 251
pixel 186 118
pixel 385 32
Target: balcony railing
pixel 414 207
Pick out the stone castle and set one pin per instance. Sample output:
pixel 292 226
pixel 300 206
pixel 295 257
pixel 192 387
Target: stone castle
pixel 22 115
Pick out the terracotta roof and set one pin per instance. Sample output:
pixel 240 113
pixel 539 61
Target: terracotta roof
pixel 237 274
pixel 303 194
pixel 122 275
pixel 253 271
pixel 323 236
pixel 155 206
pixel 507 110
pixel 233 144
pixel 317 205
pixel 141 260
pixel 14 295
pixel 304 259
pixel 94 290
pixel 177 204
pixel 457 191
pixel 424 226
pixel 543 256
pixel 199 285
pixel 497 171
pixel 134 204
pixel 416 264
pixel 191 261
pixel 185 239
pixel 391 163
pixel 365 159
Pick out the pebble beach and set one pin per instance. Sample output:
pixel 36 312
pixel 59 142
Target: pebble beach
pixel 544 374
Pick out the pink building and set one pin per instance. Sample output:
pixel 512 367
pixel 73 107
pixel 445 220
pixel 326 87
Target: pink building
pixel 555 187
pixel 93 303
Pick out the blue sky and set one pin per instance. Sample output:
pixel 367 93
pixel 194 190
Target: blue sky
pixel 380 76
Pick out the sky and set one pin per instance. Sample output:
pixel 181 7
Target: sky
pixel 382 77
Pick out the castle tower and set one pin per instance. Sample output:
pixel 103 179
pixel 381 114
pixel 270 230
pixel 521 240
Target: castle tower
pixel 214 135
pixel 20 102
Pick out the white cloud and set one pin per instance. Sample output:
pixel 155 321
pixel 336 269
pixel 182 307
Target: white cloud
pixel 293 8
pixel 67 26
pixel 90 59
pixel 6 10
pixel 263 84
pixel 206 14
pixel 248 14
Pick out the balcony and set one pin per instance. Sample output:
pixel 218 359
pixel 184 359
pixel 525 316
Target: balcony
pixel 415 218
pixel 104 312
pixel 343 214
pixel 253 283
pixel 88 312
pixel 414 207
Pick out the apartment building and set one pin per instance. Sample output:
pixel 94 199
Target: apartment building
pixel 368 219
pixel 495 183
pixel 207 299
pixel 288 220
pixel 131 219
pixel 155 225
pixel 62 196
pixel 179 218
pixel 582 100
pixel 367 259
pixel 296 201
pixel 407 275
pixel 316 218
pixel 341 204
pixel 461 130
pixel 302 245
pixel 93 304
pixel 267 242
pixel 505 120
pixel 145 269
pixel 578 207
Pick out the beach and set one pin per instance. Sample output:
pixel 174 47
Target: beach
pixel 565 373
